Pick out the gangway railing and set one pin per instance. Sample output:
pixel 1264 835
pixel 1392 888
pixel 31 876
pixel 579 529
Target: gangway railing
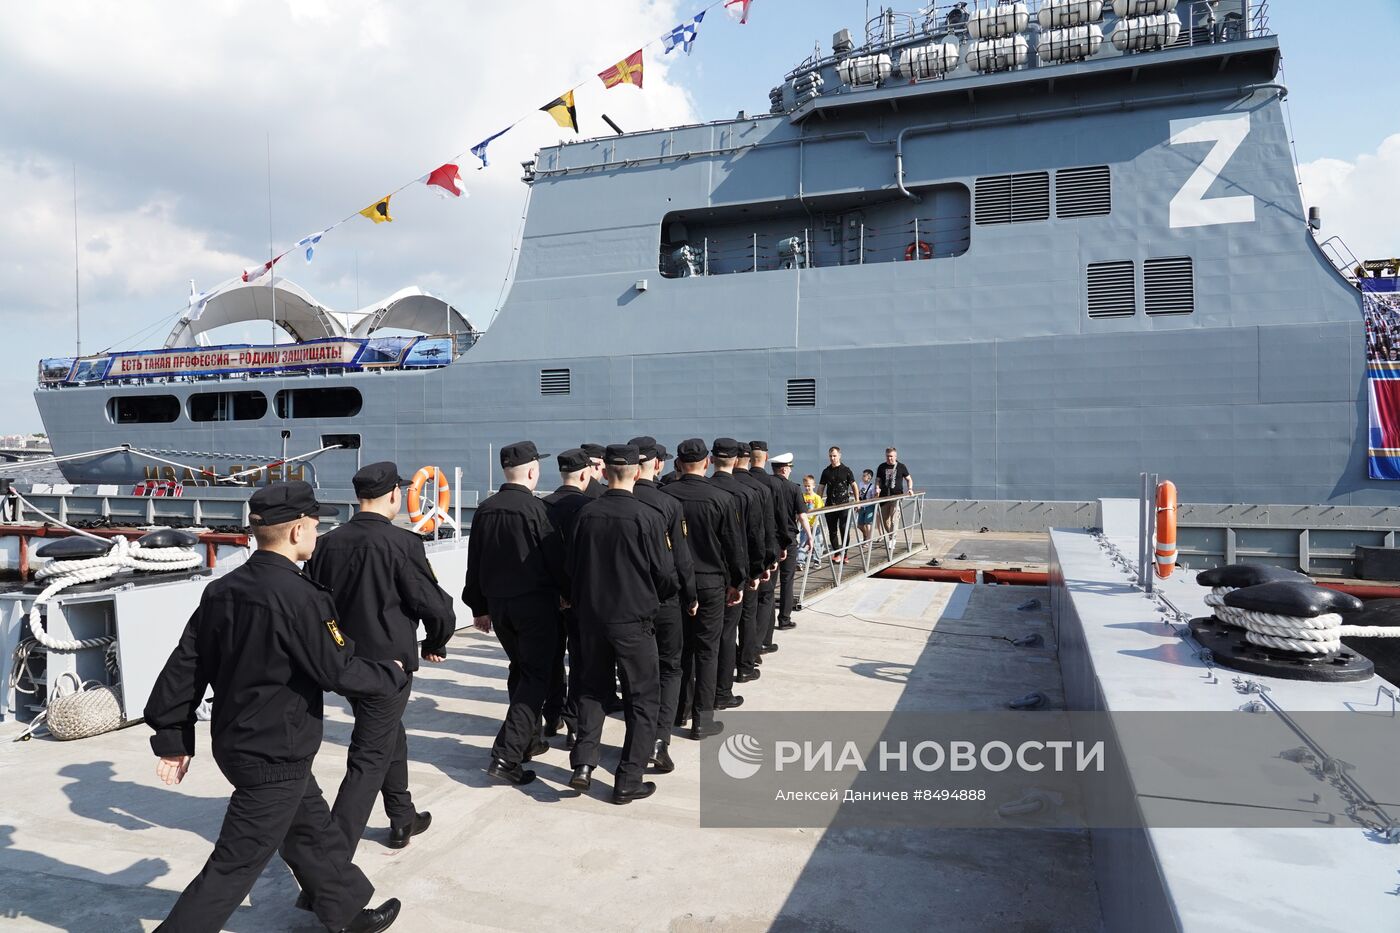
pixel 826 561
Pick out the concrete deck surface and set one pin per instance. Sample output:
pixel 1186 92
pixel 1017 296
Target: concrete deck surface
pixel 89 841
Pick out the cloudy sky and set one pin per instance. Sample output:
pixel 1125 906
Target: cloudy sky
pixel 167 110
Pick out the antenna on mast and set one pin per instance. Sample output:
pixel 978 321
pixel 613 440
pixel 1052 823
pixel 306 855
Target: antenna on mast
pixel 77 295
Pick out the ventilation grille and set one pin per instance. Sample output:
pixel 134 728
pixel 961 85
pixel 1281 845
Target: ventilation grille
pixel 1013 199
pixel 1168 286
pixel 1112 289
pixel 802 393
pixel 554 382
pixel 1083 192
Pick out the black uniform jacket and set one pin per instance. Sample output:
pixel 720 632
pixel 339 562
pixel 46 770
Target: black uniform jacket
pixel 620 562
pixel 712 522
pixel 648 492
pixel 790 506
pixel 751 522
pixel 766 513
pixel 506 552
pixel 383 586
pixel 594 489
pixel 563 505
pixel 786 528
pixel 267 639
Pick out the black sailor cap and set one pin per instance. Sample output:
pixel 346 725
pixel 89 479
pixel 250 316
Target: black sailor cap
pixel 284 502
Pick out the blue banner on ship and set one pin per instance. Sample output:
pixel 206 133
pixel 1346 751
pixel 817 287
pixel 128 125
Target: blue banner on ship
pixel 1380 301
pixel 330 353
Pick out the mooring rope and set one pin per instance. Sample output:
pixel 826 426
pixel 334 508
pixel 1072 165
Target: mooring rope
pixel 1320 634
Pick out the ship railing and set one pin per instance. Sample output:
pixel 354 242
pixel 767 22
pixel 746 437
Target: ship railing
pixel 832 550
pixel 1203 22
pixel 917 239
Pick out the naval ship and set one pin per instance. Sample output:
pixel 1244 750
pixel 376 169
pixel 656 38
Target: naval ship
pixel 1039 247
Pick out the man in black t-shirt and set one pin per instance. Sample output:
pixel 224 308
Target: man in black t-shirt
pixel 838 487
pixel 891 479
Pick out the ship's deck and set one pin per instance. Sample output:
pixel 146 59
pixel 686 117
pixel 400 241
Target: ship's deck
pixel 90 841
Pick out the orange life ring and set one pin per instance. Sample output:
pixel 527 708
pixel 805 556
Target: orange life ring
pixel 1165 539
pixel 925 251
pixel 420 508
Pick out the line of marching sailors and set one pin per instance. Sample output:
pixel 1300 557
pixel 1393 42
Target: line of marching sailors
pixel 664 584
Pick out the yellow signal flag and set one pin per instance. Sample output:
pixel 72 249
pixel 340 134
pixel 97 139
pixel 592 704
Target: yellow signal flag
pixel 379 210
pixel 563 112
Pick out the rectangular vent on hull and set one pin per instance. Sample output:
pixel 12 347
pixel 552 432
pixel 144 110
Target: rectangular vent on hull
pixel 1083 192
pixel 554 382
pixel 802 393
pixel 1013 199
pixel 1112 289
pixel 1169 286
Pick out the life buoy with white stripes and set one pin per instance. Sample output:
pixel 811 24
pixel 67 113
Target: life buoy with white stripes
pixel 923 249
pixel 420 507
pixel 1164 543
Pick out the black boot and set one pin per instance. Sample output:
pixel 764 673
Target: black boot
pixel 703 730
pixel 661 758
pixel 372 921
pixel 399 836
pixel 512 774
pixel 582 778
pixel 627 795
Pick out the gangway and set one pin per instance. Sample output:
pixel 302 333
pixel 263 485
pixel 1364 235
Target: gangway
pixel 824 564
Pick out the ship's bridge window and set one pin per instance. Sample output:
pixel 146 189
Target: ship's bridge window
pixel 817 232
pixel 143 409
pixel 338 402
pixel 227 406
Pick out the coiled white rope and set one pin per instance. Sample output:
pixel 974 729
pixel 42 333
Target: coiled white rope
pixel 124 555
pixel 1321 634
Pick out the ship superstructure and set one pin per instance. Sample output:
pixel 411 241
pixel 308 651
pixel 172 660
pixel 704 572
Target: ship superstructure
pixel 1038 247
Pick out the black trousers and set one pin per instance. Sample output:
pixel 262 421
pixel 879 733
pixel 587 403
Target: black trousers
pixel 670 644
pixel 700 653
pixel 528 627
pixel 564 681
pixel 729 650
pixel 631 648
pixel 377 764
pixel 288 817
pixel 748 631
pixel 836 529
pixel 767 610
pixel 787 595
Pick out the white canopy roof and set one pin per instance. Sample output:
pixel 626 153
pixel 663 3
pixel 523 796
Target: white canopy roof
pixel 304 318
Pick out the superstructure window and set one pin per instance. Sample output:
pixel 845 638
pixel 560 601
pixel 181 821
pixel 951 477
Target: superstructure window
pixel 1168 286
pixel 554 382
pixel 802 393
pixel 1083 192
pixel 1112 289
pixel 339 402
pixel 227 406
pixel 1013 199
pixel 143 409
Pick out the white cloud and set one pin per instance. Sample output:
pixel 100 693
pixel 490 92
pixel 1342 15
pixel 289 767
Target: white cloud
pixel 1360 200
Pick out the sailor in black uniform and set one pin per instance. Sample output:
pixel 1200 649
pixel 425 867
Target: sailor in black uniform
pixel 514 585
pixel 791 506
pixel 787 543
pixel 718 552
pixel 752 623
pixel 266 639
pixel 383 587
pixel 670 630
pixel 725 452
pixel 621 570
pixel 595 487
pixel 563 504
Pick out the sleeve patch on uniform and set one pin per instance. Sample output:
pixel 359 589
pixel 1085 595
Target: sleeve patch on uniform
pixel 335 633
pixel 668 541
pixel 685 529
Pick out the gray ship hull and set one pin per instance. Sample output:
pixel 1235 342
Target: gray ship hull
pixel 986 364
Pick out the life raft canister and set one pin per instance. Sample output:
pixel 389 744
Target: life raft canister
pixel 923 249
pixel 1164 543
pixel 419 507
